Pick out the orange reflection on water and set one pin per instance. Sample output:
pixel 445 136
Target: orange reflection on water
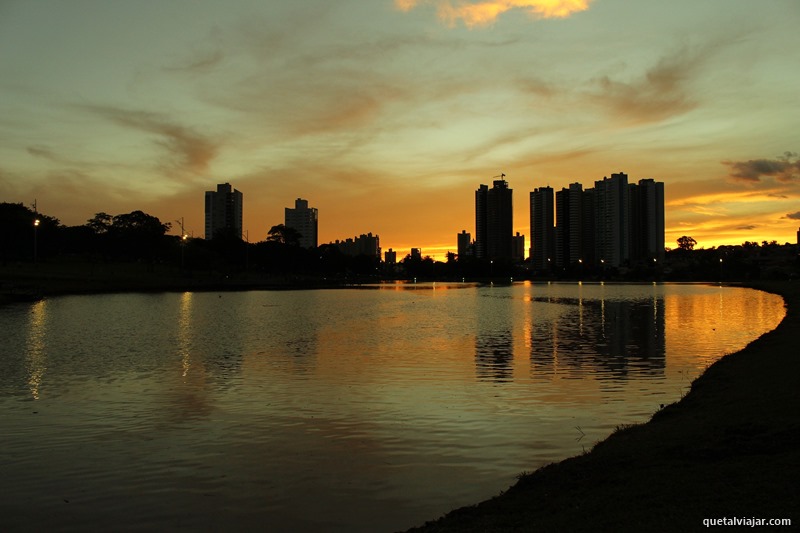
pixel 697 328
pixel 184 331
pixel 35 360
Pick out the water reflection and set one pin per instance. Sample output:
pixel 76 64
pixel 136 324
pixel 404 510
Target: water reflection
pixel 610 339
pixel 35 357
pixel 331 410
pixel 184 332
pixel 494 345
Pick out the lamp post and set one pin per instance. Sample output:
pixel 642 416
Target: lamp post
pixel 35 240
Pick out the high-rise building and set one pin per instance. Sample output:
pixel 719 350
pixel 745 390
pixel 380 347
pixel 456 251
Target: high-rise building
pixel 481 201
pixel 223 211
pixel 518 248
pixel 646 201
pixel 390 257
pixel 611 220
pixel 494 221
pixel 569 225
pixel 303 219
pixel 464 244
pixel 499 220
pixel 588 237
pixel 542 229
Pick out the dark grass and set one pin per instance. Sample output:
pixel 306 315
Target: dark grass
pixel 729 448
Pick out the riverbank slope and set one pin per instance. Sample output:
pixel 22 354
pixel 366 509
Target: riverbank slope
pixel 729 448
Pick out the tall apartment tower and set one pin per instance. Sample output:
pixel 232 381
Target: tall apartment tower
pixel 494 221
pixel 223 211
pixel 588 236
pixel 646 200
pixel 518 248
pixel 611 217
pixel 304 220
pixel 542 229
pixel 569 225
pixel 481 199
pixel 464 244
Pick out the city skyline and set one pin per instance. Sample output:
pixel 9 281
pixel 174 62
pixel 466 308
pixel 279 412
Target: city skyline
pixel 385 114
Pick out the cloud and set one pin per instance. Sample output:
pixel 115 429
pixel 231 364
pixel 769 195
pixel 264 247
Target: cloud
pixel 785 169
pixel 201 63
pixel 793 216
pixel 660 93
pixel 482 13
pixel 43 152
pixel 189 150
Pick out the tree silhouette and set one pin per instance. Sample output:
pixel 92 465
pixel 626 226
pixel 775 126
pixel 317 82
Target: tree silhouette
pixel 686 243
pixel 284 234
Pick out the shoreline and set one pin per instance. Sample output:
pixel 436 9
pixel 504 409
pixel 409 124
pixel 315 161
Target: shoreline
pixel 728 448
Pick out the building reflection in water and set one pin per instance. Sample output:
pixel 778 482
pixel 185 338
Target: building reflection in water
pixel 611 339
pixel 494 345
pixel 35 358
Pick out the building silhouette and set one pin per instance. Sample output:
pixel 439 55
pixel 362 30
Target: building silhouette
pixel 646 201
pixel 223 211
pixel 518 248
pixel 612 220
pixel 494 221
pixel 569 226
pixel 542 230
pixel 304 220
pixel 368 245
pixel 464 244
pixel 481 201
pixel 390 257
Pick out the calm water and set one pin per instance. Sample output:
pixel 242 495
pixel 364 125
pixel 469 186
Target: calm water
pixel 341 410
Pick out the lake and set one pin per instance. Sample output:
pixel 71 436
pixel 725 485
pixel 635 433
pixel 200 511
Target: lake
pixel 371 409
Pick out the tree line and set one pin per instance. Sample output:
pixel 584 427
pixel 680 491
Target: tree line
pixel 138 237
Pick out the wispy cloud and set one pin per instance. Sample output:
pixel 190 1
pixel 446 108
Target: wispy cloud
pixel 785 169
pixel 188 150
pixel 661 92
pixel 793 216
pixel 486 12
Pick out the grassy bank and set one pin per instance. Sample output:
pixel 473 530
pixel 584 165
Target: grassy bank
pixel 729 448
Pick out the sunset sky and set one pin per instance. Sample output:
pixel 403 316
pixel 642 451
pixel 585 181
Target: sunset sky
pixel 387 114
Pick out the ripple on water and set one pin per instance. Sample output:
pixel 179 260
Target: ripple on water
pixel 332 410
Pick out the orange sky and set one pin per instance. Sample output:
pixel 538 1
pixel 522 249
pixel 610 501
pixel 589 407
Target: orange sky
pixel 387 115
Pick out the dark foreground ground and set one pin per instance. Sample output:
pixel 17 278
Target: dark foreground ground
pixel 730 448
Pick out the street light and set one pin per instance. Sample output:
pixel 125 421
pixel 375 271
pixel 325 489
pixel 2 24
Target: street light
pixel 36 223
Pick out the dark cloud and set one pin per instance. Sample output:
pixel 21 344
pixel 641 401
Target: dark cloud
pixel 42 152
pixel 189 151
pixel 784 169
pixel 747 228
pixel 660 93
pixel 793 216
